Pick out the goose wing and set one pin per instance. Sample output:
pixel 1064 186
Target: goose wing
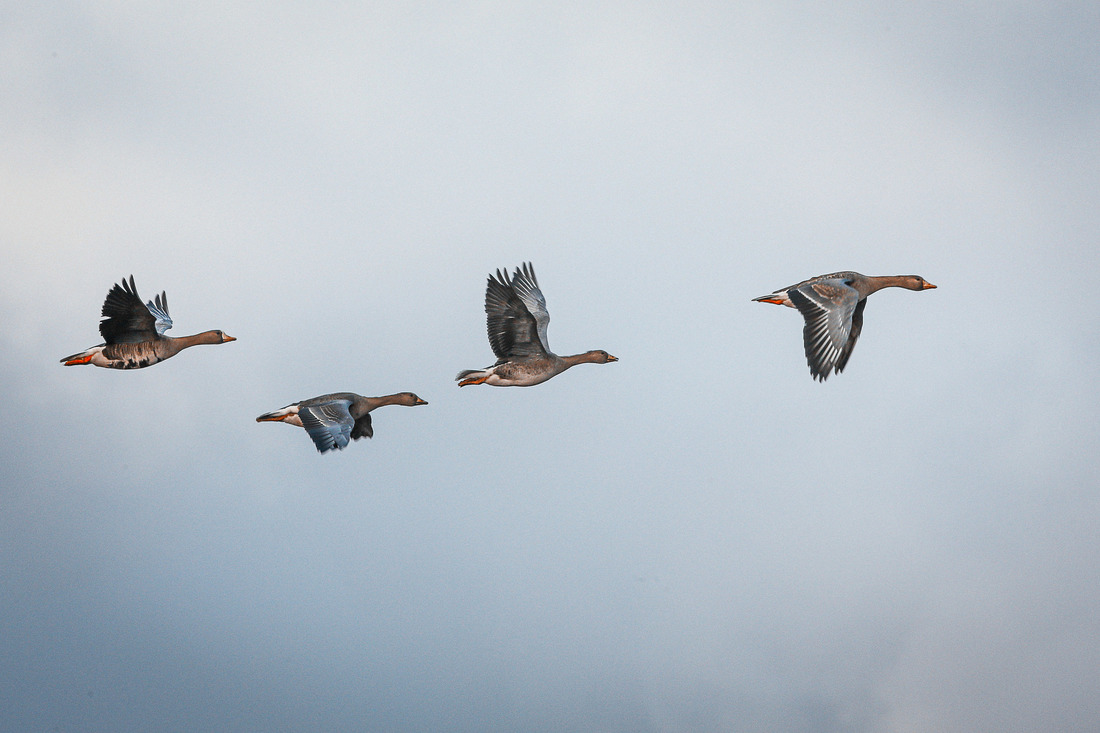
pixel 516 314
pixel 329 424
pixel 127 320
pixel 159 309
pixel 853 335
pixel 362 428
pixel 829 307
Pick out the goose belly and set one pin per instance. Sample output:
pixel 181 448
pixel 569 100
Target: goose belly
pixel 521 374
pixel 127 356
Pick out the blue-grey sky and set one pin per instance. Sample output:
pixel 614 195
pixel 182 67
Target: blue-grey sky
pixel 697 538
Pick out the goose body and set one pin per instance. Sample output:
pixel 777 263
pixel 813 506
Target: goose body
pixel 133 332
pixel 833 308
pixel 333 420
pixel 517 319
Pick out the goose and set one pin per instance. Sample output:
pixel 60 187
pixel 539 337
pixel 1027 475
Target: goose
pixel 332 419
pixel 133 332
pixel 517 319
pixel 833 308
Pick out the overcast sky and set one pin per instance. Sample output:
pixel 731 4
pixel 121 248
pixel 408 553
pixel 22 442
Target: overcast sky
pixel 696 538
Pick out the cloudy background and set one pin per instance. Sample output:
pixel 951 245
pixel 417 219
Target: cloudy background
pixel 697 538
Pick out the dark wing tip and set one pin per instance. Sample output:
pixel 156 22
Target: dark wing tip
pixel 528 271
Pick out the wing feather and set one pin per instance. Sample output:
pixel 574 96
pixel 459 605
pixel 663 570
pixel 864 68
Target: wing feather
pixel 829 307
pixel 125 318
pixel 159 309
pixel 516 316
pixel 362 428
pixel 329 424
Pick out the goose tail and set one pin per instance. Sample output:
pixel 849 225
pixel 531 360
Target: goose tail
pixel 472 376
pixel 84 357
pixel 278 415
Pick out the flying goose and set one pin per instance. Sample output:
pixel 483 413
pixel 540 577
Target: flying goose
pixel 517 320
pixel 332 419
pixel 133 332
pixel 833 308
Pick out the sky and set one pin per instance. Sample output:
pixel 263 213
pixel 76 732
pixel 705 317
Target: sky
pixel 698 537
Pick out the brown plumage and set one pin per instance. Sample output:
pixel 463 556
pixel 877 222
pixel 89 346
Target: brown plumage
pixel 333 419
pixel 517 318
pixel 833 308
pixel 133 332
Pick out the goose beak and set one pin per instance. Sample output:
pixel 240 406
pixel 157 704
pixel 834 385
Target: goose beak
pixel 611 358
pixel 226 338
pixel 928 286
pixel 420 401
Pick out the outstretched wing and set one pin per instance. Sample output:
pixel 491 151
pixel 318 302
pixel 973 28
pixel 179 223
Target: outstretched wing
pixel 125 318
pixel 159 309
pixel 526 287
pixel 329 424
pixel 516 314
pixel 853 336
pixel 829 307
pixel 362 428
